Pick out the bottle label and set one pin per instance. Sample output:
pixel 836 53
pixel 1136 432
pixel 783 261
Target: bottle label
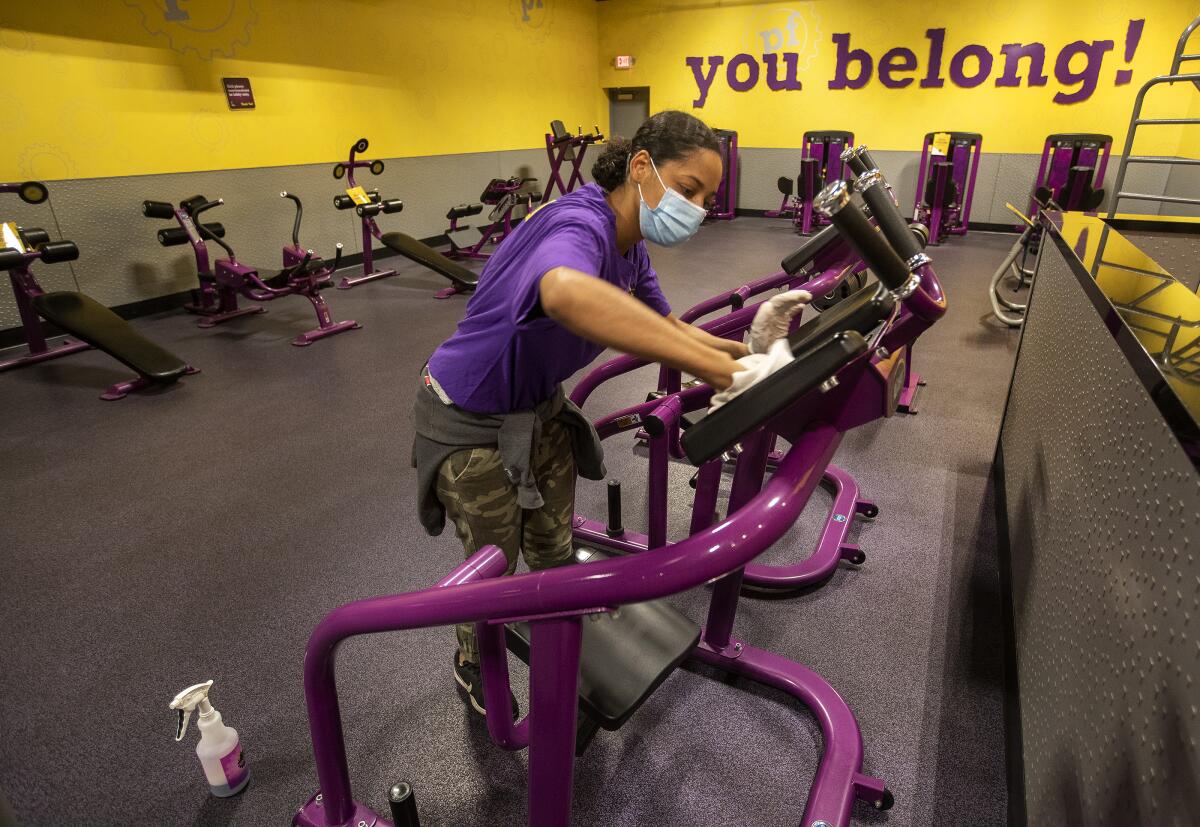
pixel 233 764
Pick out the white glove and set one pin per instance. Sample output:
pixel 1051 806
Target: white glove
pixel 756 367
pixel 774 318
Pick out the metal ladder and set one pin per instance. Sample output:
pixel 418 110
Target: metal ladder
pixel 1137 120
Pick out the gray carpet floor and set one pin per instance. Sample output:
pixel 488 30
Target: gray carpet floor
pixel 201 532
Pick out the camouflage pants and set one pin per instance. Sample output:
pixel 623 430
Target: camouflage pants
pixel 482 504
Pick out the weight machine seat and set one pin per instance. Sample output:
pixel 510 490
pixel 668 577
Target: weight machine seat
pixel 950 193
pixel 88 320
pixel 414 250
pixel 626 655
pixel 463 210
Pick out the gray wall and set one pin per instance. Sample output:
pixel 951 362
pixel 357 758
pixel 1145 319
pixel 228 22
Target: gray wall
pixel 1002 177
pixel 1103 508
pixel 121 262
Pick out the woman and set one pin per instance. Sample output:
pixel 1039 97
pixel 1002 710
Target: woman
pixel 498 446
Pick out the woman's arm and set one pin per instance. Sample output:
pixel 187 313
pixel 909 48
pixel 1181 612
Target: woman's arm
pixel 734 348
pixel 607 315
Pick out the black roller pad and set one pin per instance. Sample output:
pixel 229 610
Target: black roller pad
pixel 88 320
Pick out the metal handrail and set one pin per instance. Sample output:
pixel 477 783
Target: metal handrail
pixel 1136 120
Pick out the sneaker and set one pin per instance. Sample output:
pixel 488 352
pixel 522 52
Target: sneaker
pixel 470 686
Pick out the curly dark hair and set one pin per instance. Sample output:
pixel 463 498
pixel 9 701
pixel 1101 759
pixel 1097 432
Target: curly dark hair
pixel 667 136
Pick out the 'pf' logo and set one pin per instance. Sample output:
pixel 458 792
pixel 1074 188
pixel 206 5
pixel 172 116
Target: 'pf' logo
pixel 531 10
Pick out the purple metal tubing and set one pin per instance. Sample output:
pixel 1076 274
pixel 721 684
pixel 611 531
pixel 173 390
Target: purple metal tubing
pixel 921 169
pixel 120 390
pixel 839 779
pixel 557 153
pixel 671 569
pixel 369 230
pixel 832 547
pixel 25 290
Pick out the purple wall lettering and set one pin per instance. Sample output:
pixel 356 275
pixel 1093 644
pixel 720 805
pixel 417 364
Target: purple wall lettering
pixel 791 79
pixel 1087 77
pixel 898 66
pixel 896 60
pixel 731 72
pixel 1013 52
pixel 958 62
pixel 703 81
pixel 933 78
pixel 841 77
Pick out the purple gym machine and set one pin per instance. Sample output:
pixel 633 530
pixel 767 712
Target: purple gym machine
pixel 603 669
pixel 461 279
pixel 561 147
pixel 503 195
pixel 223 281
pixel 946 183
pixel 820 164
pixel 1071 177
pixel 1072 169
pixel 724 206
pixel 81 316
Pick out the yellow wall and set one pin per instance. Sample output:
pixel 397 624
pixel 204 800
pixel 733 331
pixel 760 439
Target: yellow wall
pixel 660 34
pixel 111 87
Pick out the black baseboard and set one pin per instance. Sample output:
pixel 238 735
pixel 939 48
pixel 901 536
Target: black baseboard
pixel 1013 742
pixel 14 336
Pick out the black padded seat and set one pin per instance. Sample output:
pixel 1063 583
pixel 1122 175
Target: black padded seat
pixel 626 655
pixel 464 210
pixel 414 250
pixel 89 321
pixel 951 191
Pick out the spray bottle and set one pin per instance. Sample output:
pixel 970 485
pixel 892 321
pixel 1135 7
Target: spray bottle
pixel 219 750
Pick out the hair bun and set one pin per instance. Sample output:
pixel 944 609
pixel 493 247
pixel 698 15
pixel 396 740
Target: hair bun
pixel 610 168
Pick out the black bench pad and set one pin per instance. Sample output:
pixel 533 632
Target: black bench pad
pixel 625 656
pixel 414 250
pixel 88 320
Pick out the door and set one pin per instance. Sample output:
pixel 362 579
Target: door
pixel 628 108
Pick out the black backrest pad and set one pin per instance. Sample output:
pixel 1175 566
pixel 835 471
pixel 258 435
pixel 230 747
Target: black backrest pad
pixel 87 319
pixel 726 426
pixel 821 347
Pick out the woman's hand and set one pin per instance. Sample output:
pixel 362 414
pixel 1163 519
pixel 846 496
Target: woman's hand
pixel 774 318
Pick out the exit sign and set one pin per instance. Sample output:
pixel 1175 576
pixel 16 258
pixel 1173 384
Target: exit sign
pixel 623 61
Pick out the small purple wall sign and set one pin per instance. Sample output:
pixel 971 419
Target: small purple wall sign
pixel 969 67
pixel 238 93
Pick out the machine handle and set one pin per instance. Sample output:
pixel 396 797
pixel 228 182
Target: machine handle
pixel 157 209
pixel 834 203
pixel 52 252
pixel 174 236
pixel 295 199
pixel 10 258
pixel 33 236
pixel 887 215
pixel 858 159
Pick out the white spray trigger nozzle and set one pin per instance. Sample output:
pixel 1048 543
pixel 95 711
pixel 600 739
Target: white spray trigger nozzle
pixel 187 701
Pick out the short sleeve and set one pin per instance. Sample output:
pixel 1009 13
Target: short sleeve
pixel 571 244
pixel 646 285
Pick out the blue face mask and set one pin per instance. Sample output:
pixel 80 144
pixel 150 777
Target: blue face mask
pixel 673 221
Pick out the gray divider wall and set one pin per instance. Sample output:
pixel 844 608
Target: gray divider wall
pixel 1103 513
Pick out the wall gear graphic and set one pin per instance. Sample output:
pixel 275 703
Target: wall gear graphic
pixel 209 30
pixel 46 162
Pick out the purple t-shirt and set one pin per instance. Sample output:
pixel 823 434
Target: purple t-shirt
pixel 506 354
